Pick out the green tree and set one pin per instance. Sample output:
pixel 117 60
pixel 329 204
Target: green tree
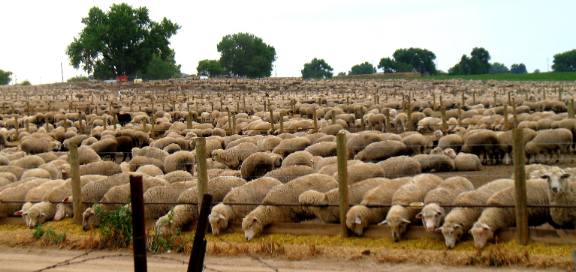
pixel 341 74
pixel 477 63
pixel 362 69
pixel 388 65
pixel 498 68
pixel 408 60
pixel 210 68
pixel 122 41
pixel 244 54
pixel 518 68
pixel 5 77
pixel 317 69
pixel 159 68
pixel 421 60
pixel 25 83
pixel 78 79
pixel 565 62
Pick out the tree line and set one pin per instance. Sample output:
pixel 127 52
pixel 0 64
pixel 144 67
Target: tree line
pixel 124 41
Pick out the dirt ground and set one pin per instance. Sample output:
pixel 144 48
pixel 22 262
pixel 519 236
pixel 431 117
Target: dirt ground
pixel 33 259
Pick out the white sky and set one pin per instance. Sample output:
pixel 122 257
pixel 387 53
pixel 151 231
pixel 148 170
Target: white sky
pixel 35 34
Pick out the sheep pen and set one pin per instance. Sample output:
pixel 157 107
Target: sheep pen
pixel 283 129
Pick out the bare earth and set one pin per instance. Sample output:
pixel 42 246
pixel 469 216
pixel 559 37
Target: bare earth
pixel 34 259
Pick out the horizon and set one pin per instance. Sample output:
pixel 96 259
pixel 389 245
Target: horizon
pixel 528 32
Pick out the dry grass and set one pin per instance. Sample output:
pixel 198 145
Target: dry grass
pixel 292 247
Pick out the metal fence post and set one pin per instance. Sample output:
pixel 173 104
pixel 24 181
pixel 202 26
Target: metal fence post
pixel 138 226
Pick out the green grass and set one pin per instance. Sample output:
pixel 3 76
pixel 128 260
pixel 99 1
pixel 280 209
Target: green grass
pixel 549 76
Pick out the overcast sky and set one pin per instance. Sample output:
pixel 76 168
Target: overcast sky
pixel 35 34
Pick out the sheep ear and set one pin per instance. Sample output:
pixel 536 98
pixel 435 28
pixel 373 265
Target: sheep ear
pixel 546 177
pixel 19 213
pixel 405 220
pixel 419 215
pixel 221 216
pixel 460 226
pixel 439 228
pixel 357 220
pixel 255 220
pixel 43 214
pixel 383 222
pixel 565 176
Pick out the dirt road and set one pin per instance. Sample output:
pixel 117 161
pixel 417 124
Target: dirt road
pixel 33 259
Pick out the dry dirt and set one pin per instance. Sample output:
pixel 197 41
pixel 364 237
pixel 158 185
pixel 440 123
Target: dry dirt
pixel 33 259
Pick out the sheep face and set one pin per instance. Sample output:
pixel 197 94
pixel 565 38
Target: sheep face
pixel 89 219
pixel 218 222
pixel 63 210
pixel 252 227
pixel 482 233
pixel 165 225
pixel 34 218
pixel 452 234
pixel 557 180
pixel 356 220
pixel 396 222
pixel 431 216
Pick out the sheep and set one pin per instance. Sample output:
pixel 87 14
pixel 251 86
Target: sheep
pixel 15 170
pixel 233 157
pixel 330 213
pixel 104 168
pixel 549 145
pixel 254 223
pixel 138 161
pixel 106 147
pixel 332 168
pixel 87 155
pixel 298 158
pixel 399 215
pixel 323 149
pixel 186 211
pixel 433 213
pixel 482 142
pixel 382 150
pixel 224 214
pixel 268 143
pixel 151 152
pixel 561 192
pixel 150 170
pixel 39 213
pixel 416 143
pixel 35 173
pixel 494 219
pixel 286 174
pixel 459 220
pixel 14 194
pixel 400 166
pixel 467 162
pixel 28 162
pixel 435 162
pixel 288 146
pixel 178 175
pixel 361 171
pixel 39 144
pixel 360 216
pixel 113 198
pixel 258 164
pixel 453 141
pixel 37 193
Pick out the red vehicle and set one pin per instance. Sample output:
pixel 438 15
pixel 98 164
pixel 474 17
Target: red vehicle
pixel 122 78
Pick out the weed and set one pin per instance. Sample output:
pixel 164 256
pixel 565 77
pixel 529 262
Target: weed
pixel 48 236
pixel 38 232
pixel 115 227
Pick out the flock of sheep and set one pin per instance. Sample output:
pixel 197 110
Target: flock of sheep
pixel 271 149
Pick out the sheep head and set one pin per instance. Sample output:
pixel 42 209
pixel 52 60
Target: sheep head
pixel 557 180
pixel 431 215
pixel 396 221
pixel 452 233
pixel 482 233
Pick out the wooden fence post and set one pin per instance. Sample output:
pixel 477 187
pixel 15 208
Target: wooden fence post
pixel 76 188
pixel 189 120
pixel 520 188
pixel 271 116
pixel 196 262
pixel 281 123
pixel 138 226
pixel 506 121
pixel 315 121
pixel 342 181
pixel 201 168
pixel 571 108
